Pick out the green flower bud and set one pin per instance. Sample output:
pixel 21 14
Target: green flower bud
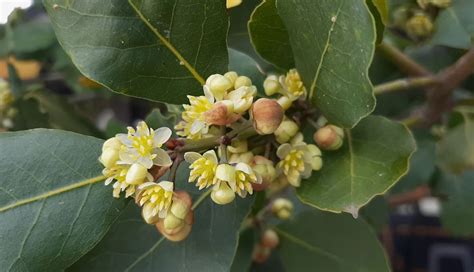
pixel 242 81
pixel 181 204
pixel 232 76
pixel 282 208
pixel 271 85
pixel 172 222
pixel 223 195
pixel 264 167
pixel 419 26
pixel 286 131
pixel 218 85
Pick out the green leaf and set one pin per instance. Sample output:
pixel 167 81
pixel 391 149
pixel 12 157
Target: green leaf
pixel 333 43
pixel 455 151
pixel 382 8
pixel 378 19
pixel 455 25
pixel 168 118
pixel 245 65
pixel 62 115
pixel 374 156
pixel 457 214
pixel 315 240
pixel 132 245
pixel 53 204
pixel 158 50
pixel 377 213
pixel 269 35
pixel 28 115
pixel 422 167
pixel 243 256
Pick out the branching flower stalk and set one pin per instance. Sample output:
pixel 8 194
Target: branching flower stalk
pixel 214 139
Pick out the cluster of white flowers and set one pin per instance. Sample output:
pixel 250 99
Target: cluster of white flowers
pixel 128 159
pixel 231 163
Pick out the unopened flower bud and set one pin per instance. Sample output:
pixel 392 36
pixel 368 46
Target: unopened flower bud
pixel 218 85
pixel 109 157
pixel 177 234
pixel 172 222
pixel 136 174
pixel 242 81
pixel 285 102
pixel 286 131
pixel 282 208
pixel 271 85
pixel 264 167
pixel 221 114
pixel 223 195
pixel 316 160
pixel 270 239
pixel 260 253
pixel 113 143
pixel 245 157
pixel 181 204
pixel 419 26
pixel 329 137
pixel 232 76
pixel 267 116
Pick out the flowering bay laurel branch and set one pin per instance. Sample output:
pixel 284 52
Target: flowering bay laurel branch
pixel 235 144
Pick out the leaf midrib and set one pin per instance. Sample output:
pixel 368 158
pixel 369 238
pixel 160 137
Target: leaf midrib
pixel 51 193
pixel 323 54
pixel 167 44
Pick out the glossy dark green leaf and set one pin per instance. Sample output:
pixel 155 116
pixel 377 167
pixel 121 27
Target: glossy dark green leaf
pixel 455 25
pixel 158 50
pixel 377 213
pixel 320 241
pixel 457 214
pixel 374 156
pixel 54 206
pixel 243 256
pixel 132 245
pixel 333 43
pixel 269 35
pixel 245 65
pixel 378 19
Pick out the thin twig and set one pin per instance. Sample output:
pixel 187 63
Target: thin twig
pixel 402 61
pixel 201 198
pixel 405 84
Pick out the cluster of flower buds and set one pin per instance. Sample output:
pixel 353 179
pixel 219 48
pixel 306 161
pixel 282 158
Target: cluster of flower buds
pixel 7 112
pixel 282 208
pixel 268 241
pixel 250 144
pixel 417 20
pixel 228 103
